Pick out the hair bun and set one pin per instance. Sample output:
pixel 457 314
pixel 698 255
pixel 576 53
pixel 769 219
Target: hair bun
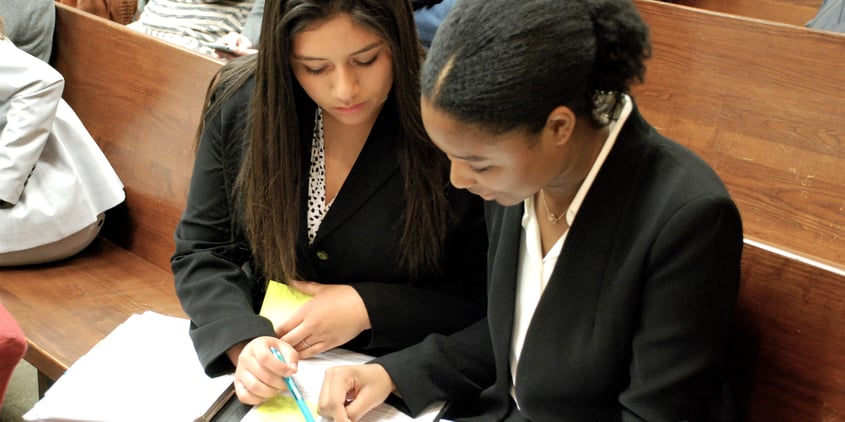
pixel 622 45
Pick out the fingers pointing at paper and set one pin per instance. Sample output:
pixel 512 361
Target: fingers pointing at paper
pixel 349 392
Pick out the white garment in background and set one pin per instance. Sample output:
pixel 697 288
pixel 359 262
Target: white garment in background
pixel 71 181
pixel 192 24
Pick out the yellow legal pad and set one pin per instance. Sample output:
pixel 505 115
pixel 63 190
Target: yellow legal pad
pixel 281 408
pixel 281 301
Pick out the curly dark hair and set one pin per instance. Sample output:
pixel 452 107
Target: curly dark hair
pixel 505 65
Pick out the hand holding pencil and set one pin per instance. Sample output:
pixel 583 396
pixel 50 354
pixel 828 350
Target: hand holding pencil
pixel 294 390
pixel 259 374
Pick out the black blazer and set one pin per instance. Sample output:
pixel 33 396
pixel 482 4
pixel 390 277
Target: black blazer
pixel 633 322
pixel 357 244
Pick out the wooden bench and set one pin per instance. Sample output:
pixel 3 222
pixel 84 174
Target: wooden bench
pixel 790 12
pixel 141 99
pixel 762 103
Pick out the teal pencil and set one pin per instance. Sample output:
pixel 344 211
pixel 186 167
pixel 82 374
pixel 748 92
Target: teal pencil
pixel 306 413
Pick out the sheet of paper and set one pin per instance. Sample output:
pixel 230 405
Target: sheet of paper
pixel 145 370
pixel 309 379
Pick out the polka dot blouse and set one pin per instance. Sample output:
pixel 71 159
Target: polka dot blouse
pixel 317 206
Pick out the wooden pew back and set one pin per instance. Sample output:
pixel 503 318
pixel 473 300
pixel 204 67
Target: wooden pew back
pixel 791 12
pixel 790 342
pixel 763 104
pixel 141 99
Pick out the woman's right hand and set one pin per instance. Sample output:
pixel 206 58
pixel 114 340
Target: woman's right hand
pixel 259 374
pixel 349 392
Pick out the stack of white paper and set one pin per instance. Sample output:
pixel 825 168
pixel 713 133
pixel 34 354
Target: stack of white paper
pixel 145 370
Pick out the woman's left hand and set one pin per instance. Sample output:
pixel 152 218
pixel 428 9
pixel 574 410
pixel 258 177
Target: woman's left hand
pixel 334 315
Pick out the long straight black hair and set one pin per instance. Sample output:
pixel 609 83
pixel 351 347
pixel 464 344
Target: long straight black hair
pixel 268 184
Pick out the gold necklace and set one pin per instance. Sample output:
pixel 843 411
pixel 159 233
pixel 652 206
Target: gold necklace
pixel 551 216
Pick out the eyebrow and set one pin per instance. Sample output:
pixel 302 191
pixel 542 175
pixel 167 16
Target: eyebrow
pixel 472 158
pixel 363 50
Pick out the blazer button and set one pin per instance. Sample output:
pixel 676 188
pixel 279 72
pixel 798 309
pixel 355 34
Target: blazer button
pixel 323 255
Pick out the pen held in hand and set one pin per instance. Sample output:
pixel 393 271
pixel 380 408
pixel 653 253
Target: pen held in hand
pixel 294 390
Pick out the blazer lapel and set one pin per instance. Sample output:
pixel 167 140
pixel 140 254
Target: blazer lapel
pixel 503 261
pixel 572 296
pixel 376 164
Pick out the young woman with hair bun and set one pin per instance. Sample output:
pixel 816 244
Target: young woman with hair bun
pixel 614 252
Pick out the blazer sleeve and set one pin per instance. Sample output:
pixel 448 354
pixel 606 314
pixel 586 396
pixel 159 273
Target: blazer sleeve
pixel 208 264
pixel 443 367
pixel 687 303
pixel 30 91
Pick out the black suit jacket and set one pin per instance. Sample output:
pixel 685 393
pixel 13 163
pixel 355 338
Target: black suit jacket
pixel 633 322
pixel 357 244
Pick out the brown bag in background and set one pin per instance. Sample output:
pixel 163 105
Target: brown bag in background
pixel 120 11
